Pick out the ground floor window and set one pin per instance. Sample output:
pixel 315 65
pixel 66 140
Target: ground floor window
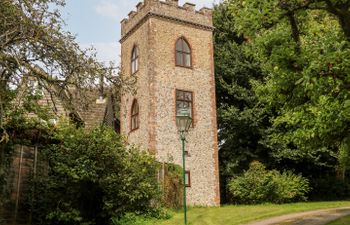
pixel 188 178
pixel 134 123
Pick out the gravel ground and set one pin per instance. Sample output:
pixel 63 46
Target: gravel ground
pixel 319 217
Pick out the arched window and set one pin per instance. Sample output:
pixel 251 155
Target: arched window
pixel 134 60
pixel 134 115
pixel 183 53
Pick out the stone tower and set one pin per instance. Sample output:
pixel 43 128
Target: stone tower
pixel 169 48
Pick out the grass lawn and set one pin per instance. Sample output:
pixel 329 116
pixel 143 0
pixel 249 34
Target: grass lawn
pixel 342 221
pixel 234 215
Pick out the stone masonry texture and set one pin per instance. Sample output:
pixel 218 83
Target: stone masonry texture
pixel 154 28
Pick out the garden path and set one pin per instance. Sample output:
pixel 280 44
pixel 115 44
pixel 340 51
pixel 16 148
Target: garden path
pixel 318 217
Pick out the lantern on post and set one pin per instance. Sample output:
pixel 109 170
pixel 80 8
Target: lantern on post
pixel 183 123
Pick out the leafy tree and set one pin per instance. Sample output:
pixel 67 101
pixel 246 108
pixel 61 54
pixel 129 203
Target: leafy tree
pixel 241 120
pixel 303 47
pixel 93 177
pixel 33 46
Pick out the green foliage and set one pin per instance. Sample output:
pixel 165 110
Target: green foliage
pixel 258 185
pixel 66 217
pixel 329 188
pixel 136 219
pixel 92 176
pixel 254 186
pixel 129 219
pixel 241 120
pixel 290 187
pixel 34 47
pixel 344 156
pixel 172 186
pixel 303 48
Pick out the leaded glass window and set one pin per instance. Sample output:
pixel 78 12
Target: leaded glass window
pixel 134 116
pixel 134 60
pixel 183 53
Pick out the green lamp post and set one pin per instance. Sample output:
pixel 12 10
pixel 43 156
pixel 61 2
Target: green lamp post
pixel 183 123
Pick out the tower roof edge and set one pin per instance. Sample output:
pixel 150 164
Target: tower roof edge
pixel 169 10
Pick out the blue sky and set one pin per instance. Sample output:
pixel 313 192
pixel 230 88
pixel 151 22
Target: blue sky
pixel 97 23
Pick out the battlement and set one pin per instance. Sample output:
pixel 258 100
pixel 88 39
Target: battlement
pixel 169 10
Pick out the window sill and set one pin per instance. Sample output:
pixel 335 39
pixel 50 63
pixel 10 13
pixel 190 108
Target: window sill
pixel 132 131
pixel 186 67
pixel 133 74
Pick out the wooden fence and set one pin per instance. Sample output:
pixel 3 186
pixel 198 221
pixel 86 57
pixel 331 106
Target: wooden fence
pixel 19 176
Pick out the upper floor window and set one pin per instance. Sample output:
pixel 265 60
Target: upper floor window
pixel 183 53
pixel 184 100
pixel 134 115
pixel 134 60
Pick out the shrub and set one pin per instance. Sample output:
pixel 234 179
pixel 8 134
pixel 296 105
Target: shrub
pixel 130 219
pixel 172 186
pixel 92 177
pixel 136 219
pixel 258 185
pixel 290 187
pixel 254 186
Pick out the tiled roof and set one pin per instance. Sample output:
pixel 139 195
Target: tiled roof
pixel 94 115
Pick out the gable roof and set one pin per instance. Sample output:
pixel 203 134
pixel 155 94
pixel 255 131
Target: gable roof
pixel 91 109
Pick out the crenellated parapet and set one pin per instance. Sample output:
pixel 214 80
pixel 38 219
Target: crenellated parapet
pixel 167 10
